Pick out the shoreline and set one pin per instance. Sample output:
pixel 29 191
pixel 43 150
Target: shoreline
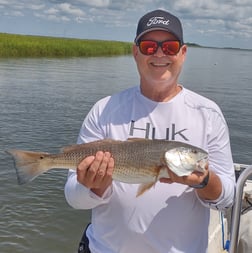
pixel 18 46
pixel 14 45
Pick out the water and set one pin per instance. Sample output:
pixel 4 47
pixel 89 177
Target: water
pixel 42 105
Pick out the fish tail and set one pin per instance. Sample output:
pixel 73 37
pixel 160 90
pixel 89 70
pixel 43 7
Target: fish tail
pixel 27 164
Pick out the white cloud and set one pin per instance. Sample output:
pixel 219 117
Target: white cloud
pixel 63 12
pixel 4 2
pixel 52 11
pixel 36 7
pixel 95 3
pixel 131 5
pixel 69 9
pixel 13 13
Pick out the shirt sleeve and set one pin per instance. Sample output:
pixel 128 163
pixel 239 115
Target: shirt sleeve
pixel 225 199
pixel 76 194
pixel 220 161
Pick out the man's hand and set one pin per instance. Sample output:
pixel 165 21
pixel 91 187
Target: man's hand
pixel 194 178
pixel 95 172
pixel 211 192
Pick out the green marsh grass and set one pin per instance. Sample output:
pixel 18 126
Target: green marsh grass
pixel 12 45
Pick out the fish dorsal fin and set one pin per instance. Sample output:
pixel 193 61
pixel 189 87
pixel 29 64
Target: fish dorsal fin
pixel 76 146
pixel 102 142
pixel 69 148
pixel 135 139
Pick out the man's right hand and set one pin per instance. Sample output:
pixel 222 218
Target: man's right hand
pixel 95 172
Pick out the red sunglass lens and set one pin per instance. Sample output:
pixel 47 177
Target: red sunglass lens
pixel 170 47
pixel 148 47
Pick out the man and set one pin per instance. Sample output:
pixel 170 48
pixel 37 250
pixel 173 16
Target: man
pixel 173 216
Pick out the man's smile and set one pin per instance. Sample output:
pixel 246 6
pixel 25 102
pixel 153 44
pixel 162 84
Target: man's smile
pixel 160 64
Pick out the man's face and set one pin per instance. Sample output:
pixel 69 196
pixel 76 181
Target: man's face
pixel 159 69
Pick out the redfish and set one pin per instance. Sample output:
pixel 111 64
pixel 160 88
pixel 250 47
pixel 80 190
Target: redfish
pixel 137 161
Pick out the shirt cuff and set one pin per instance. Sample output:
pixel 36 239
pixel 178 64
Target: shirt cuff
pixel 213 204
pixel 106 195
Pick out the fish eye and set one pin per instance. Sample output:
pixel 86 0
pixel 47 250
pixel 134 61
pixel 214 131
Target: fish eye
pixel 41 157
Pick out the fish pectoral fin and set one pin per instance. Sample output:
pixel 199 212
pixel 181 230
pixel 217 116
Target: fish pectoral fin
pixel 144 187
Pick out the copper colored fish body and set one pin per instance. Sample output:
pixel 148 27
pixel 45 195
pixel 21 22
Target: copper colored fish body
pixel 137 161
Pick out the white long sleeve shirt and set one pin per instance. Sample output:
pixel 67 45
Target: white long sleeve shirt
pixel 169 218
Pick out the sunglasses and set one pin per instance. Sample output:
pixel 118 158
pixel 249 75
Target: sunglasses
pixel 150 47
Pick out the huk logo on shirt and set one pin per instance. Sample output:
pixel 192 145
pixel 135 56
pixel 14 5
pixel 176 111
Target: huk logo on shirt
pixel 158 20
pixel 170 133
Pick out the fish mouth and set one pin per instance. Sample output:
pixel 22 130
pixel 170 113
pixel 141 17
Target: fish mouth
pixel 202 163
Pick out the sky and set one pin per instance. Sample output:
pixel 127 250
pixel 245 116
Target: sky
pixel 215 23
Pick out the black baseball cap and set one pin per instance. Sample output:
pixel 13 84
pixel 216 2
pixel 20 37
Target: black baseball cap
pixel 159 20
